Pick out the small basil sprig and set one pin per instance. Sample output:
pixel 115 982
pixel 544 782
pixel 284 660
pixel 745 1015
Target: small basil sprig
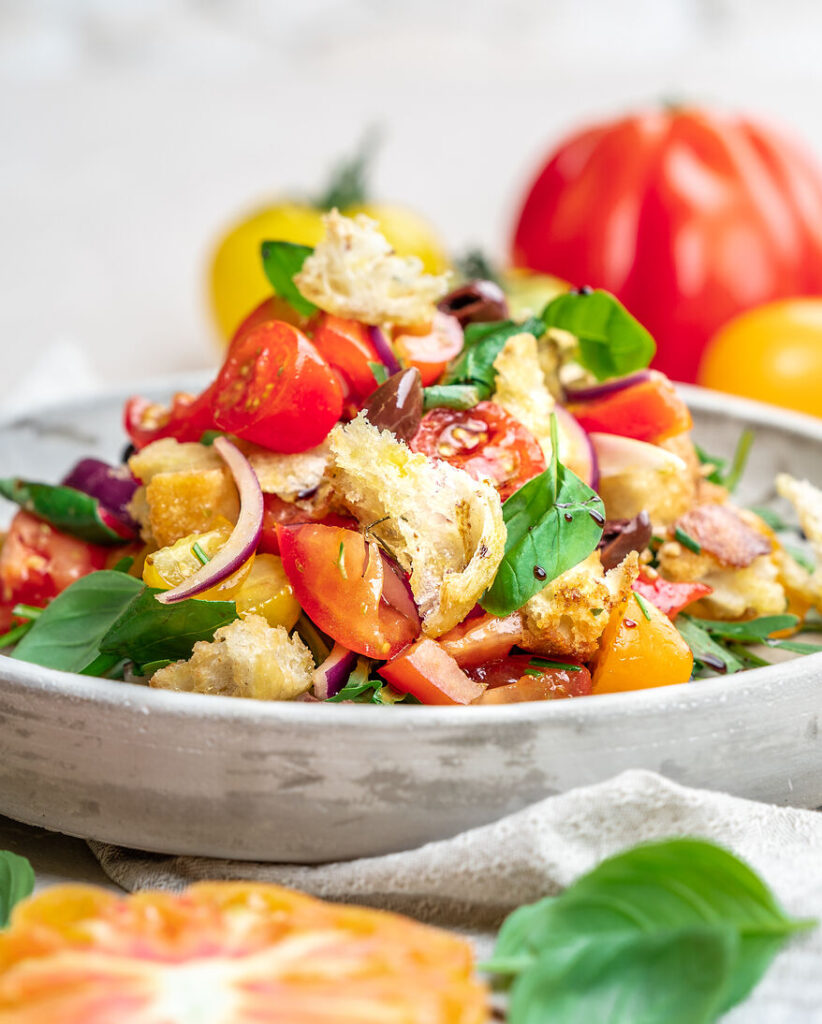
pixel 552 523
pixel 281 262
pixel 67 633
pixel 720 473
pixel 449 396
pixel 147 631
pixel 16 883
pixel 611 342
pixel 627 934
pixel 65 508
pixel 483 343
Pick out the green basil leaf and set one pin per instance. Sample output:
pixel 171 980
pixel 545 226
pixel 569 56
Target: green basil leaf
pixel 483 343
pixel 771 518
pixel 149 631
pixel 449 396
pixel 67 633
pixel 553 522
pixel 65 508
pixel 16 883
pixel 656 889
pixel 751 632
pixel 705 649
pixel 281 261
pixel 611 342
pixel 676 977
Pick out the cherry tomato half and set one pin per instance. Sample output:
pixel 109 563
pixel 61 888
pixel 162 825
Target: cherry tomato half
pixel 345 345
pixel 514 679
pixel 431 675
pixel 338 579
pixel 485 441
pixel 433 348
pixel 668 596
pixel 275 389
pixel 650 410
pixel 186 419
pixel 38 562
pixel 277 512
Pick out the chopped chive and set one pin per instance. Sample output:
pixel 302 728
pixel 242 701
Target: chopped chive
pixel 151 667
pixel 796 646
pixel 341 561
pixel 208 437
pixel 740 459
pixel 199 554
pixel 534 672
pixel 545 663
pixel 643 605
pixel 771 518
pixel 687 541
pixel 380 372
pixel 27 611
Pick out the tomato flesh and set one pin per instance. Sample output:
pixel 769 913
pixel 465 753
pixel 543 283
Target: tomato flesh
pixel 186 419
pixel 478 640
pixel 432 349
pixel 38 562
pixel 277 512
pixel 275 389
pixel 485 441
pixel 338 580
pixel 345 345
pixel 650 410
pixel 432 676
pixel 668 596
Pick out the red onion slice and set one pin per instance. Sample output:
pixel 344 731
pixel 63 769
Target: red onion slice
pixel 330 677
pixel 244 537
pixel 384 351
pixel 577 453
pixel 112 486
pixel 609 387
pixel 396 590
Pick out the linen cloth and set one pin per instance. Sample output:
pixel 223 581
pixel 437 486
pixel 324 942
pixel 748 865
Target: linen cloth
pixel 469 883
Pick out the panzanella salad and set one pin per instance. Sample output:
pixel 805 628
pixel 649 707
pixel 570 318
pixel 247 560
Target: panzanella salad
pixel 396 492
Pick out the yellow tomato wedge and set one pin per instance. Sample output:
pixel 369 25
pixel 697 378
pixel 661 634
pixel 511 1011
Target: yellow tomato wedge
pixel 267 592
pixel 640 648
pixel 172 565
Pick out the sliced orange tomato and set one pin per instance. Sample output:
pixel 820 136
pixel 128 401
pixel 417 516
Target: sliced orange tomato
pixel 668 596
pixel 432 347
pixel 649 410
pixel 345 345
pixel 338 579
pixel 640 648
pixel 432 676
pixel 228 953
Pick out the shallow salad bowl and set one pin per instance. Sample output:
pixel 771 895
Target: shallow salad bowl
pixel 223 777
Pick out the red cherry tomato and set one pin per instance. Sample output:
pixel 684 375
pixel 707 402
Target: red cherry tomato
pixel 38 562
pixel 431 675
pixel 513 679
pixel 433 348
pixel 485 441
pixel 689 217
pixel 272 308
pixel 186 419
pixel 345 345
pixel 277 512
pixel 648 411
pixel 338 579
pixel 275 389
pixel 483 638
pixel 670 597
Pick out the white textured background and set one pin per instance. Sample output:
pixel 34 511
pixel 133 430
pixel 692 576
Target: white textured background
pixel 131 130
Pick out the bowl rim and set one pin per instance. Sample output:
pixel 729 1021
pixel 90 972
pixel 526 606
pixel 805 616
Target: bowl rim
pixel 115 693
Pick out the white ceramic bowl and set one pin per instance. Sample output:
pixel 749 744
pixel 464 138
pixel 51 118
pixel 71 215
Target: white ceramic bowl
pixel 184 773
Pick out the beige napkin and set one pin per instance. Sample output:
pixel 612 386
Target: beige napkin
pixel 469 883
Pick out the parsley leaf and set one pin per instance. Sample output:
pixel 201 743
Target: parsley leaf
pixel 483 343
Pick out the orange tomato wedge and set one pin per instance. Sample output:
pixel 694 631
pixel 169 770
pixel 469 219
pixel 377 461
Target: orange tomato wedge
pixel 650 410
pixel 228 953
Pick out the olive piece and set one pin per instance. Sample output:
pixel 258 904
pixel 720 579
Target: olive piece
pixel 478 302
pixel 396 405
pixel 621 536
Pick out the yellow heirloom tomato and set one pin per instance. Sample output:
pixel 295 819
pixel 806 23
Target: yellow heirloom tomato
pixel 773 353
pixel 267 592
pixel 237 281
pixel 172 565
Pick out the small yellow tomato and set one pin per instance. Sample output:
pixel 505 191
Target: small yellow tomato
pixel 172 565
pixel 638 652
pixel 773 353
pixel 267 592
pixel 238 282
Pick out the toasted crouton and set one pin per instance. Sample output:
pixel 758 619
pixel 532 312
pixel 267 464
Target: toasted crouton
pixel 442 526
pixel 568 617
pixel 170 456
pixel 189 502
pixel 247 658
pixel 521 390
pixel 665 494
pixel 355 273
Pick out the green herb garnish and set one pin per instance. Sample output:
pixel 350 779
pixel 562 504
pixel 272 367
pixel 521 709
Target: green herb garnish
pixel 687 541
pixel 67 509
pixel 199 554
pixel 281 262
pixel 380 372
pixel 449 396
pixel 16 883
pixel 612 343
pixel 483 343
pixel 643 605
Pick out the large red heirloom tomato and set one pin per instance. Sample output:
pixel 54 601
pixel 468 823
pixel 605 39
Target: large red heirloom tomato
pixel 688 217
